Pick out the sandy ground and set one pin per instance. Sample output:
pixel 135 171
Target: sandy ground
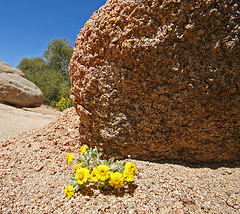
pixel 14 120
pixel 34 173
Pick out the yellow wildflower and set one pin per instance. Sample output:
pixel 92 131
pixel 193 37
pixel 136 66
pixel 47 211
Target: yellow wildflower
pixel 69 158
pixel 82 175
pixel 116 179
pixel 128 175
pixel 131 167
pixel 129 171
pixel 69 191
pixel 103 172
pixel 77 166
pixel 83 149
pixel 93 175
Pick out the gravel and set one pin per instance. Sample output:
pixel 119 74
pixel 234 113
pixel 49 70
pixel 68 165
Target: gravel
pixel 33 174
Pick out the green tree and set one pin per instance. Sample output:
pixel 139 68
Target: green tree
pixel 51 82
pixel 58 55
pixel 50 75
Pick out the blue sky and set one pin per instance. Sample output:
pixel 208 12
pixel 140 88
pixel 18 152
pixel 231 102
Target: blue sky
pixel 27 26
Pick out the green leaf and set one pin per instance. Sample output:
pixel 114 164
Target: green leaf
pixel 113 168
pixel 120 167
pixel 80 160
pixel 111 161
pixel 93 153
pixel 87 153
pixel 105 162
pixel 84 164
pixel 118 163
pixel 77 188
pixel 85 157
pixel 73 177
pixel 99 156
pixel 95 164
pixel 74 183
pixel 95 149
pixel 101 184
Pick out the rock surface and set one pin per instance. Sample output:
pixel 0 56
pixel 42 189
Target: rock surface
pixel 160 80
pixel 16 90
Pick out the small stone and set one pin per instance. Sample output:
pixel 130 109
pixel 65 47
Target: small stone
pixel 228 193
pixel 132 211
pixel 39 168
pixel 87 198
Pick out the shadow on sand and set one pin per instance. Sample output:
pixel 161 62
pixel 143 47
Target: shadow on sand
pixel 119 192
pixel 214 165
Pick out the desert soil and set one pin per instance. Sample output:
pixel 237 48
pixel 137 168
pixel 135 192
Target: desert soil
pixel 14 120
pixel 33 174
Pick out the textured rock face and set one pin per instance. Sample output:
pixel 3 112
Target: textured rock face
pixel 16 90
pixel 160 80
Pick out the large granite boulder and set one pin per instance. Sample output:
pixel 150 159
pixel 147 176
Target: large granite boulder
pixel 160 80
pixel 16 90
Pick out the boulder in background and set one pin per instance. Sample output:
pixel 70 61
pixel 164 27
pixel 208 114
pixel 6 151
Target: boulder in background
pixel 16 90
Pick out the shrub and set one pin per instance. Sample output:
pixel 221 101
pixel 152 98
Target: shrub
pixel 52 83
pixel 50 75
pixel 63 104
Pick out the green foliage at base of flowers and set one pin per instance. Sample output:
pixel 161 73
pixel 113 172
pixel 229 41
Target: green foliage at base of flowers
pixel 63 104
pixel 103 173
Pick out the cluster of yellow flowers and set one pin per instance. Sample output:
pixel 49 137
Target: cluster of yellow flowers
pixel 90 167
pixel 63 104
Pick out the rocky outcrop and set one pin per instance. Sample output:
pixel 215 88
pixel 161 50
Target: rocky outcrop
pixel 160 80
pixel 16 90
